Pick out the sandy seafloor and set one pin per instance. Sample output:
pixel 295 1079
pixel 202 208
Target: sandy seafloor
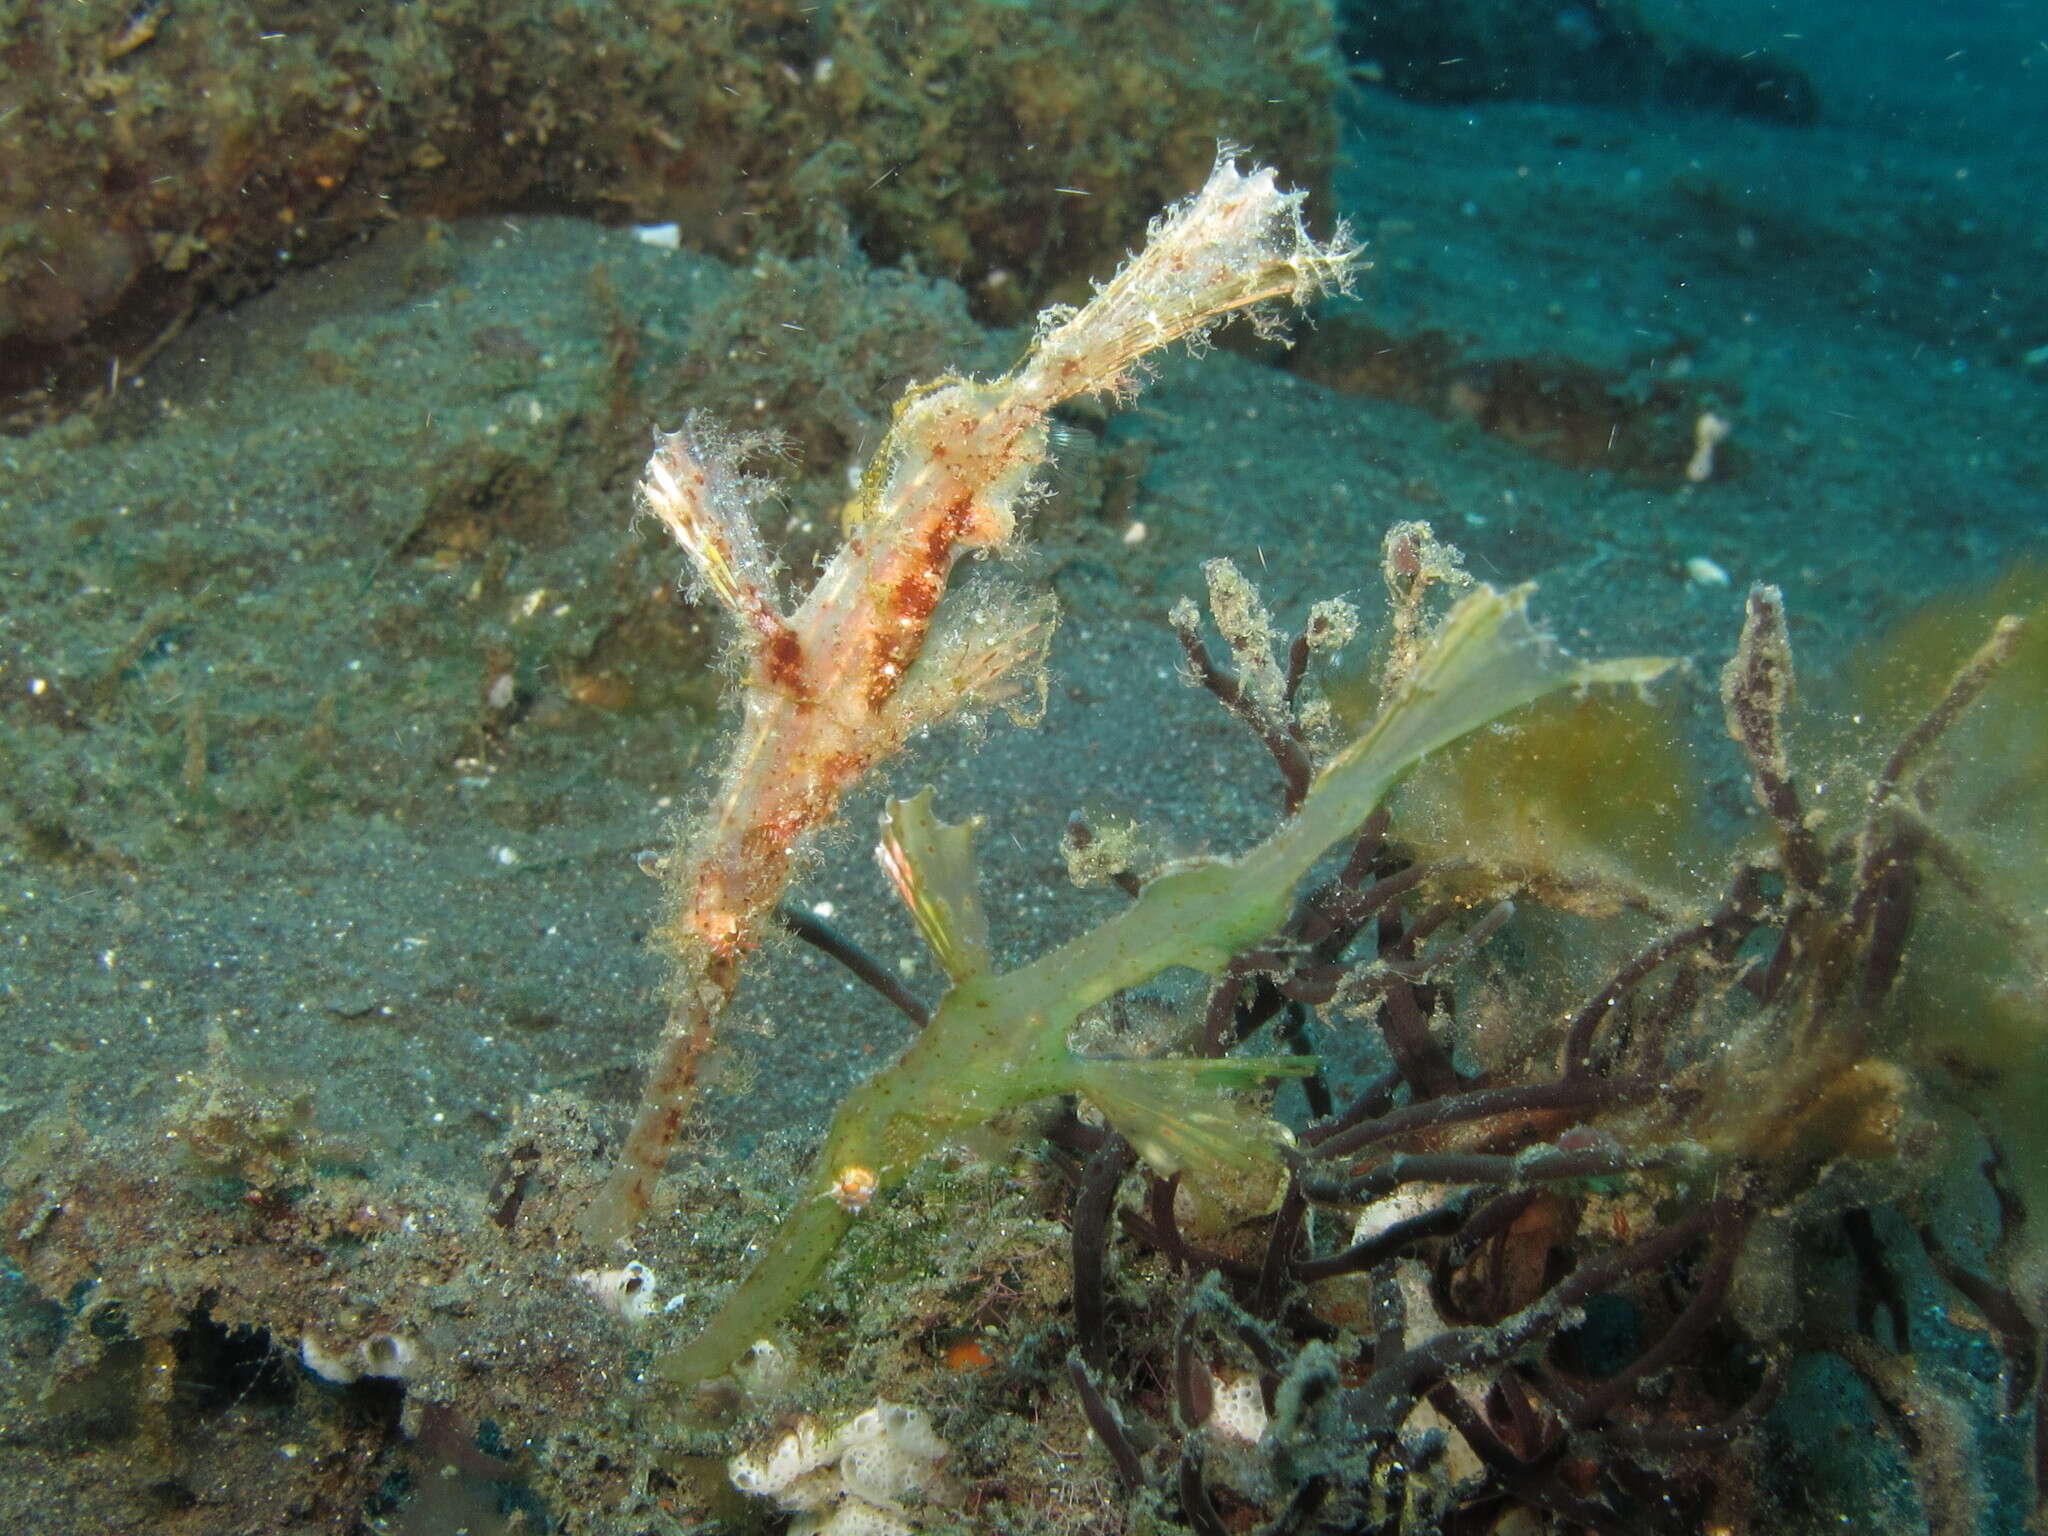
pixel 427 911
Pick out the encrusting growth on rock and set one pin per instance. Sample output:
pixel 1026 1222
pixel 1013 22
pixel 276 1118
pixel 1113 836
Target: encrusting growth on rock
pixel 876 651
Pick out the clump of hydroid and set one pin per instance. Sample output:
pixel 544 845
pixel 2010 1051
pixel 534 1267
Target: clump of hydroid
pixel 876 651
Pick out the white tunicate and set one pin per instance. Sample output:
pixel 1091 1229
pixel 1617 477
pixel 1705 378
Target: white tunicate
pixel 627 1293
pixel 854 1518
pixel 1238 1408
pixel 390 1356
pixel 767 1475
pixel 862 1480
pixel 328 1366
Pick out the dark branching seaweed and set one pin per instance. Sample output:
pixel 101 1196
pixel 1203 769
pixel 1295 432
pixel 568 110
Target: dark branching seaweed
pixel 1439 1365
pixel 1433 1369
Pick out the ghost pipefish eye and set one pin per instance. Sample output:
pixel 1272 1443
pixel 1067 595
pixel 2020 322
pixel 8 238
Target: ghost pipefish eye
pixel 854 1186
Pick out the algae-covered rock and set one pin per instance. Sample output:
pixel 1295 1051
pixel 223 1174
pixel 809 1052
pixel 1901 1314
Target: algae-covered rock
pixel 157 159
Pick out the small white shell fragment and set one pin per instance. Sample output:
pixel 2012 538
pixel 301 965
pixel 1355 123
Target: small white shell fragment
pixel 862 1480
pixel 666 237
pixel 1702 572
